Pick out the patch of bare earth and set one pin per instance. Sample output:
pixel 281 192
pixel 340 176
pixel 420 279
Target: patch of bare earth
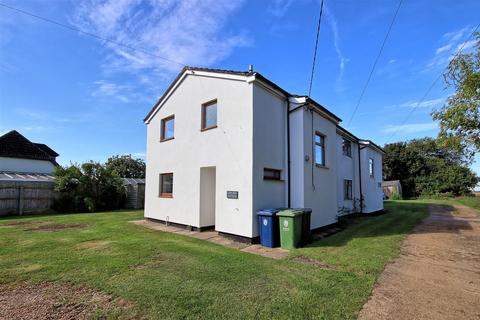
pixel 437 275
pixel 57 227
pixel 20 224
pixel 313 262
pixel 50 300
pixel 93 245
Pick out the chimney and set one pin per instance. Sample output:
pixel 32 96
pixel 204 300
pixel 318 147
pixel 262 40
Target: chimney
pixel 250 68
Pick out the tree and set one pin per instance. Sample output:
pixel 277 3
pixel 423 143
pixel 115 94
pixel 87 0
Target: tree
pixel 88 187
pixel 459 118
pixel 126 166
pixel 425 167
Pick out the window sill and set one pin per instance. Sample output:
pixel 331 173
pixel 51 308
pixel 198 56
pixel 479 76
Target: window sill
pixel 321 166
pixel 273 179
pixel 166 195
pixel 208 128
pixel 168 139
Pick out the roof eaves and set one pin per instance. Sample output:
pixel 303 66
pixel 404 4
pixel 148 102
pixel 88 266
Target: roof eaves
pixel 374 145
pixel 193 69
pixel 322 108
pixel 165 93
pixel 340 128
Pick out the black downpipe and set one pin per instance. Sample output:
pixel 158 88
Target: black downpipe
pixel 289 202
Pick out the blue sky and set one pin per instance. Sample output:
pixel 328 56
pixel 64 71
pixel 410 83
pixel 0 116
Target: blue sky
pixel 86 98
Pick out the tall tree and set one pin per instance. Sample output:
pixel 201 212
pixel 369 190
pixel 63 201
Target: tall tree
pixel 460 116
pixel 425 167
pixel 126 166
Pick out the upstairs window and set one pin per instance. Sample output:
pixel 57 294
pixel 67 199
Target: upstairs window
pixel 319 149
pixel 370 167
pixel 347 190
pixel 347 148
pixel 166 185
pixel 209 115
pixel 167 129
pixel 272 174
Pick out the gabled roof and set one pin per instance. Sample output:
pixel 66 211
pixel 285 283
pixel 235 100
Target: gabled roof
pixel 14 145
pixel 256 75
pixel 47 149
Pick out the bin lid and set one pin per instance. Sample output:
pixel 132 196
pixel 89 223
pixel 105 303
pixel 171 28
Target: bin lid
pixel 290 213
pixel 268 212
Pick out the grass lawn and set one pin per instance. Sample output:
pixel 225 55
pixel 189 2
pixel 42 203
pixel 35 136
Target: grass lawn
pixel 472 202
pixel 168 276
pixel 469 201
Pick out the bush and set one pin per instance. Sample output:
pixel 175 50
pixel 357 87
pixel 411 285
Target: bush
pixel 395 196
pixel 88 187
pixel 426 168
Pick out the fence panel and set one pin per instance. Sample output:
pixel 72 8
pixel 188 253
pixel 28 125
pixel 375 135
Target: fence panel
pixel 26 197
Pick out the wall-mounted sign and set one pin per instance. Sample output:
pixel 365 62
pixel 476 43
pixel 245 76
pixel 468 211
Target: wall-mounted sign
pixel 232 194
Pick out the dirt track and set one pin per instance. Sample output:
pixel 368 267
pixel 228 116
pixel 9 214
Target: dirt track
pixel 437 275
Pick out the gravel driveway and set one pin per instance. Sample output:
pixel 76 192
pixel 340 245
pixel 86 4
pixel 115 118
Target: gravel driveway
pixel 437 275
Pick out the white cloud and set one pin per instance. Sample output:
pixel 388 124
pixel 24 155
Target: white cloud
pixel 45 117
pixel 189 31
pixel 411 128
pixel 120 92
pixel 451 44
pixel 336 43
pixel 35 128
pixel 138 155
pixel 424 104
pixel 392 61
pixel 446 47
pixel 279 7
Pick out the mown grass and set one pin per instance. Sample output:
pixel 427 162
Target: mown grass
pixel 469 201
pixel 168 276
pixel 472 202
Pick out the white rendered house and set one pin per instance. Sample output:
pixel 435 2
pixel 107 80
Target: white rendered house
pixel 223 144
pixel 20 155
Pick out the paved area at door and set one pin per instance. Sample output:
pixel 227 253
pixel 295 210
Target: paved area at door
pixel 437 275
pixel 213 236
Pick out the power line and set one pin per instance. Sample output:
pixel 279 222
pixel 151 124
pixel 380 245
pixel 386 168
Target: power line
pixel 430 88
pixel 316 46
pixel 375 63
pixel 65 26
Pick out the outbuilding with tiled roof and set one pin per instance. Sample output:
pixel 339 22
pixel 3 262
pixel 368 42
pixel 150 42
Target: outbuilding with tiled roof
pixel 18 154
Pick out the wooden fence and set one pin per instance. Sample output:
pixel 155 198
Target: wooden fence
pixel 26 197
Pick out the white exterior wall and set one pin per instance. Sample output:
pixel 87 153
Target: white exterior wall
pixel 372 186
pixel 26 165
pixel 347 169
pixel 227 147
pixel 312 186
pixel 269 150
pixel 251 135
pixel 320 189
pixel 297 156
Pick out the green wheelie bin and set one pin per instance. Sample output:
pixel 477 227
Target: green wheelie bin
pixel 290 228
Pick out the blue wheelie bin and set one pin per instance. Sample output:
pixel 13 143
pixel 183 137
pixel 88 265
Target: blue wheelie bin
pixel 268 227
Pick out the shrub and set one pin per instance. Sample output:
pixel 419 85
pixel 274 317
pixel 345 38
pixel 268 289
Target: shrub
pixel 88 187
pixel 395 196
